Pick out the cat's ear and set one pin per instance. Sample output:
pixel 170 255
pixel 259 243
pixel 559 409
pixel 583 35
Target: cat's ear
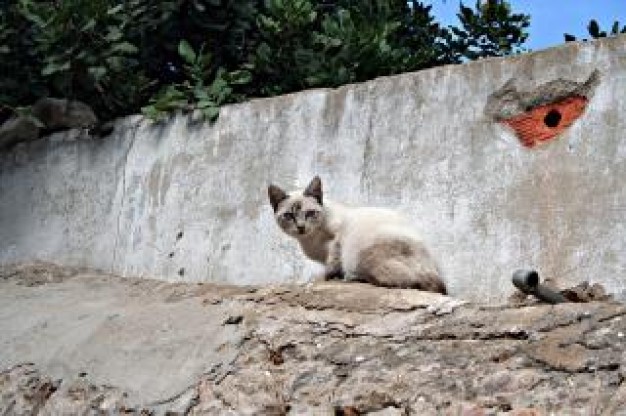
pixel 315 189
pixel 276 195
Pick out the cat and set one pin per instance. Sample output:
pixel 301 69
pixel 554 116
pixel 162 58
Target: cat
pixel 373 245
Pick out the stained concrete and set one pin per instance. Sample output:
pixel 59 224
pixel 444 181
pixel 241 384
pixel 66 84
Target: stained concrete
pixel 186 200
pixel 142 336
pixel 76 343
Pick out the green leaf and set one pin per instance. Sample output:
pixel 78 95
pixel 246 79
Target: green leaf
pixel 151 112
pixel 54 67
pixel 115 10
pixel 114 34
pixel 211 113
pixel 263 52
pixel 33 17
pixel 205 104
pixel 186 52
pixel 219 88
pixel 116 63
pixel 125 47
pixel 173 93
pixel 239 77
pixel 89 25
pixel 201 93
pixel 97 72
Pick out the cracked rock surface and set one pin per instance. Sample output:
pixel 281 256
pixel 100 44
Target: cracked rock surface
pixel 79 342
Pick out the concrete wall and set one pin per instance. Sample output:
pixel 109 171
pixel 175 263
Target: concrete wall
pixel 187 200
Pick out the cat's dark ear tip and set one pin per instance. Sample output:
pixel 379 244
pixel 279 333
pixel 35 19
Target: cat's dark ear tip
pixel 314 189
pixel 316 182
pixel 276 195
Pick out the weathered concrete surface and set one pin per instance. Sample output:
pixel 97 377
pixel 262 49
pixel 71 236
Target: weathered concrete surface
pixel 104 345
pixel 123 333
pixel 187 201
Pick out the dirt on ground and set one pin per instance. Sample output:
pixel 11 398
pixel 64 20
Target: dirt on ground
pixel 76 342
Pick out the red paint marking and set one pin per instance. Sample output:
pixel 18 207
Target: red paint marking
pixel 531 127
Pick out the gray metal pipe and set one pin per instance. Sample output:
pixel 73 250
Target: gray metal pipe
pixel 528 282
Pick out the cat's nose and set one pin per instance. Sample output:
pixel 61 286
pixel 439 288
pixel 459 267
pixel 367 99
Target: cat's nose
pixel 301 229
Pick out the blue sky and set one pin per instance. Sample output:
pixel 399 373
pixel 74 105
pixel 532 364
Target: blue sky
pixel 549 19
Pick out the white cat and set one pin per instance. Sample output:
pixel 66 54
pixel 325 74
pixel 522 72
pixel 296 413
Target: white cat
pixel 374 245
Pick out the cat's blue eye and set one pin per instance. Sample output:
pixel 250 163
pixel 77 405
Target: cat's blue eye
pixel 310 214
pixel 288 216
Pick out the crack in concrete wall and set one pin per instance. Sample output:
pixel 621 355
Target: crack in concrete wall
pixel 122 200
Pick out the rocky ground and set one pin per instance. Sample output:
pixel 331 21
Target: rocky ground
pixel 77 342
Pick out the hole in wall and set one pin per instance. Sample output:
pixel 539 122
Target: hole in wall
pixel 179 235
pixel 552 119
pixel 546 122
pixel 181 272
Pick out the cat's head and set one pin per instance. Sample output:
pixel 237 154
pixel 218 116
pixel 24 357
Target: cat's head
pixel 298 213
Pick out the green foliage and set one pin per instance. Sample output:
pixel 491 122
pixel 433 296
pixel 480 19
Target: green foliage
pixel 596 33
pixel 313 44
pixel 86 50
pixel 21 81
pixel 491 29
pixel 124 56
pixel 200 90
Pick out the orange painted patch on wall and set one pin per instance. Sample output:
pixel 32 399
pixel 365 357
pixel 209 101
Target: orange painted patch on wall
pixel 545 122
